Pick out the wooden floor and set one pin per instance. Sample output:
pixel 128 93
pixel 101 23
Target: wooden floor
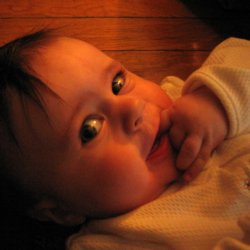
pixel 152 38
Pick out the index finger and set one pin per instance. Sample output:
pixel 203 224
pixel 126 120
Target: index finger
pixel 198 164
pixel 188 152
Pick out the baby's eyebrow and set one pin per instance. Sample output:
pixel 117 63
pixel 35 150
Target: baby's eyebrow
pixel 113 66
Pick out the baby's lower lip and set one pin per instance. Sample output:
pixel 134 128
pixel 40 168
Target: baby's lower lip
pixel 159 149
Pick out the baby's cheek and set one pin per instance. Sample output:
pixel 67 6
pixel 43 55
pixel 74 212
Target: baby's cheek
pixel 160 96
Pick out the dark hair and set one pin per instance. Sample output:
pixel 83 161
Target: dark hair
pixel 16 74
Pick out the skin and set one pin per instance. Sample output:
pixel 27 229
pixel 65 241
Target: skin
pixel 113 172
pixel 198 124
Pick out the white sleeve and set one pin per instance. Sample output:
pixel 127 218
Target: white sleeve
pixel 231 244
pixel 235 244
pixel 109 242
pixel 227 73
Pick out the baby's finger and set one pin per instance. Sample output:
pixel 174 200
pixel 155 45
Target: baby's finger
pixel 177 136
pixel 188 152
pixel 193 171
pixel 198 164
pixel 165 120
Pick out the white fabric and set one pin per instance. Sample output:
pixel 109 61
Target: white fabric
pixel 209 212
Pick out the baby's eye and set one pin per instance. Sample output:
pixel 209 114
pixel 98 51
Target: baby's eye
pixel 90 129
pixel 118 82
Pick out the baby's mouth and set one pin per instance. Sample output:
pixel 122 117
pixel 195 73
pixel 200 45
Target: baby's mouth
pixel 154 146
pixel 159 147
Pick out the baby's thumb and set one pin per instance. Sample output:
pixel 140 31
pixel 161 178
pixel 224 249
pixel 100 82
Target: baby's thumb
pixel 165 122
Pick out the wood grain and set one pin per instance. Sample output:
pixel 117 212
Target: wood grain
pixel 155 65
pixel 152 38
pixel 122 33
pixel 96 8
pixel 114 8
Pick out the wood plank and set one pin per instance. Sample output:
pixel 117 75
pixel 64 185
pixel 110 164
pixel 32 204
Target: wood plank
pixel 115 8
pixel 123 33
pixel 96 8
pixel 155 65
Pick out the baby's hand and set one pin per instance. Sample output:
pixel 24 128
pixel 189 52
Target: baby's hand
pixel 198 124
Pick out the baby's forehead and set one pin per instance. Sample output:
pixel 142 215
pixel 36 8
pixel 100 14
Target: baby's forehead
pixel 64 52
pixel 70 45
pixel 70 67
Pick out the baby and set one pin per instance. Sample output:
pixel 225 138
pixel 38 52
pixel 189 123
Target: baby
pixel 82 137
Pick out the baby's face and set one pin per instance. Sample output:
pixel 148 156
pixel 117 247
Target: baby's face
pixel 104 150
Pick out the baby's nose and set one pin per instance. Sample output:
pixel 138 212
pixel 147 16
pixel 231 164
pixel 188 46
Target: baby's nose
pixel 133 109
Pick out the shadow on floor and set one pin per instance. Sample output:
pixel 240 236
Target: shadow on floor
pixel 227 18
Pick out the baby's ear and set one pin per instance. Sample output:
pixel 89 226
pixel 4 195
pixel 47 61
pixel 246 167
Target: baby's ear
pixel 47 210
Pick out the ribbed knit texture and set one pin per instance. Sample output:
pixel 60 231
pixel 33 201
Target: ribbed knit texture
pixel 227 73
